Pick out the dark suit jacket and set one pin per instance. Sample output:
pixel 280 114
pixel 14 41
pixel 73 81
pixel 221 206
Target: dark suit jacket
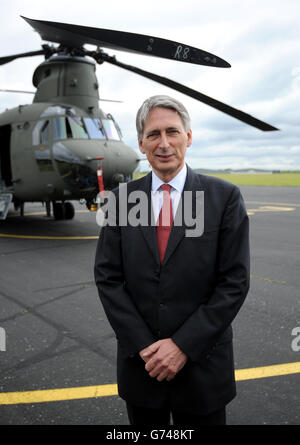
pixel 192 298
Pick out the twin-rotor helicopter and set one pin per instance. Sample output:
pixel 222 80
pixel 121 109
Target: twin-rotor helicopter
pixel 55 150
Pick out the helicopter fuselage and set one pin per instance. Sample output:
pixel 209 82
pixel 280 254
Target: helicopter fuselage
pixel 51 150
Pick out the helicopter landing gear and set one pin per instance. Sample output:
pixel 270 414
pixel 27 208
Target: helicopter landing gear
pixel 63 210
pixel 69 210
pixel 48 209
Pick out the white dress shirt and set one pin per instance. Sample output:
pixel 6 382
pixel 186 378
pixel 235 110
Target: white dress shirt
pixel 177 184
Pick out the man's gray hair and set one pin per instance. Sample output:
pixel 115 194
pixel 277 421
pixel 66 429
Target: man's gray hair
pixel 162 102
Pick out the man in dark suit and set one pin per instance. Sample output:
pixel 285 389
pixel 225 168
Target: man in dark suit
pixel 170 294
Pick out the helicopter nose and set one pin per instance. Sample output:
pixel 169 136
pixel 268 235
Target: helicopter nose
pixel 77 165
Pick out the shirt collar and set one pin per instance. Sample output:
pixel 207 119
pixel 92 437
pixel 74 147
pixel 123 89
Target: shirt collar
pixel 177 182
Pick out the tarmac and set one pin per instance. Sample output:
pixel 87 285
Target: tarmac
pixel 58 352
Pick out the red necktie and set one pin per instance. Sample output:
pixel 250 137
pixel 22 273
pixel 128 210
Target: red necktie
pixel 165 221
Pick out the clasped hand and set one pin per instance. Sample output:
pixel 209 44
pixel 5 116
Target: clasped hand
pixel 164 359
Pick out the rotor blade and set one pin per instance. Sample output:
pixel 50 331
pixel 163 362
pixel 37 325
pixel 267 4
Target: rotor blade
pixel 33 92
pixel 227 109
pixel 76 36
pixel 7 59
pixel 17 91
pixel 109 100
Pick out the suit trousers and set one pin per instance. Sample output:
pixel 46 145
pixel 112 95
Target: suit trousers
pixel 159 417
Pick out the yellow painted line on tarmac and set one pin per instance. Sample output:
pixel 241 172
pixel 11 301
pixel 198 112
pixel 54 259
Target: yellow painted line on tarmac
pixel 17 215
pixel 273 209
pixel 7 235
pixel 85 392
pixel 267 371
pixel 269 280
pixel 269 208
pixel 289 204
pixel 54 395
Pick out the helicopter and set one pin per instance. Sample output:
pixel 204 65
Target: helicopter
pixel 63 147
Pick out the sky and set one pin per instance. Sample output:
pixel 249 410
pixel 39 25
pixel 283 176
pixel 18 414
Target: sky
pixel 260 39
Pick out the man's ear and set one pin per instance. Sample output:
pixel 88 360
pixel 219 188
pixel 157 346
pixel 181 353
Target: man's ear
pixel 190 138
pixel 141 146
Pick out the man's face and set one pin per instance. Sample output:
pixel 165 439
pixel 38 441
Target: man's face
pixel 164 142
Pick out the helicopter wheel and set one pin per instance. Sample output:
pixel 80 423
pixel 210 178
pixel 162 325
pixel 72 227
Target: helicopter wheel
pixel 63 210
pixel 69 210
pixel 58 210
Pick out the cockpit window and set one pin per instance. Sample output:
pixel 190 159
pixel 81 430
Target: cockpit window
pixel 70 127
pixel 94 128
pixel 110 129
pixel 40 134
pixel 77 127
pixel 82 128
pixel 45 133
pixel 59 128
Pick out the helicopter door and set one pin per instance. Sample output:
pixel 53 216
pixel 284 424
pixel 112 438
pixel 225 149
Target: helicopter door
pixel 5 161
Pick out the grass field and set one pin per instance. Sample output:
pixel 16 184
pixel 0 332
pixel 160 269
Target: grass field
pixel 275 180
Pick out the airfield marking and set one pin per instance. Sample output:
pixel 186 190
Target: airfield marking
pixel 288 204
pixel 269 280
pixel 267 371
pixel 6 235
pixel 85 392
pixel 54 395
pixel 269 208
pixel 17 215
